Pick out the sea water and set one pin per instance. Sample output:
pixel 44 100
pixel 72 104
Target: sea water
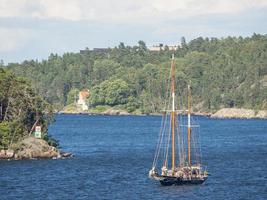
pixel 113 155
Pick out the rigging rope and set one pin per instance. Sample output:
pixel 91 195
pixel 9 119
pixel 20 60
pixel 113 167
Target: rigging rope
pixel 163 123
pixel 167 147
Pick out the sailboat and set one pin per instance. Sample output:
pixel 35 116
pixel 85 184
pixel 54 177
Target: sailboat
pixel 178 136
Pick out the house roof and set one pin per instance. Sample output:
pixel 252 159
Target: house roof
pixel 84 94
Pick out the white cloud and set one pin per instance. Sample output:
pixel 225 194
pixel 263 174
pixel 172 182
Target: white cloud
pixel 61 9
pixel 38 27
pixel 122 10
pixel 13 8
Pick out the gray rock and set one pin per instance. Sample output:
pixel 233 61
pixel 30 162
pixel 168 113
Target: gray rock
pixel 66 155
pixel 2 154
pixel 9 153
pixel 112 111
pixel 32 148
pixel 234 113
pixel 35 148
pixel 6 154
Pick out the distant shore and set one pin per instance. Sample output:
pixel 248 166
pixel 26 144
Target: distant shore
pixel 224 113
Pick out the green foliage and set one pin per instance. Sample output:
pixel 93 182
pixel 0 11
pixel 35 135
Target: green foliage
pixel 110 92
pixel 20 108
pixel 99 109
pixel 4 134
pixel 72 96
pixel 103 70
pixel 227 72
pixel 132 104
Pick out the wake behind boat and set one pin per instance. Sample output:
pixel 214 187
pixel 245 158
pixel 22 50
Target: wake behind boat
pixel 188 169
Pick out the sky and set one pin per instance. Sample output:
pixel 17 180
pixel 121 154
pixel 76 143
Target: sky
pixel 32 29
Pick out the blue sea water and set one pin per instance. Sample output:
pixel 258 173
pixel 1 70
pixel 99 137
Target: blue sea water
pixel 114 154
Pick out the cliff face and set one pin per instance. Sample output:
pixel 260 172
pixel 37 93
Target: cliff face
pixel 239 113
pixel 31 148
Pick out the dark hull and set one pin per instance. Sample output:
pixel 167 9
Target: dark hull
pixel 168 181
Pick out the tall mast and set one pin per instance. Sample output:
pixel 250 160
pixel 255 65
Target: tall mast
pixel 189 126
pixel 173 111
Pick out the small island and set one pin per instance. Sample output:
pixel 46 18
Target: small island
pixel 21 111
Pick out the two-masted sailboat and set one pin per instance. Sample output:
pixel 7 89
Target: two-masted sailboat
pixel 178 136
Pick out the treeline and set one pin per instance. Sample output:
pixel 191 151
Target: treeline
pixel 227 72
pixel 20 110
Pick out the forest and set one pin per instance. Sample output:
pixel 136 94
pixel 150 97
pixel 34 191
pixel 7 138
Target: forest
pixel 224 72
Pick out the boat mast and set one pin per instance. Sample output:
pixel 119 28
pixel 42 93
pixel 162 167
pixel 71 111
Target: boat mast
pixel 173 111
pixel 189 125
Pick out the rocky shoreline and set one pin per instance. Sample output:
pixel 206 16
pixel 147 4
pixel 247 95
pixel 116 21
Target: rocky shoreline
pixel 239 113
pixel 109 111
pixel 224 113
pixel 32 148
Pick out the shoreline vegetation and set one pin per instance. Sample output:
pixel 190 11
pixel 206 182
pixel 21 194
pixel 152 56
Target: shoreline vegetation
pixel 226 72
pixel 224 113
pixel 21 111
